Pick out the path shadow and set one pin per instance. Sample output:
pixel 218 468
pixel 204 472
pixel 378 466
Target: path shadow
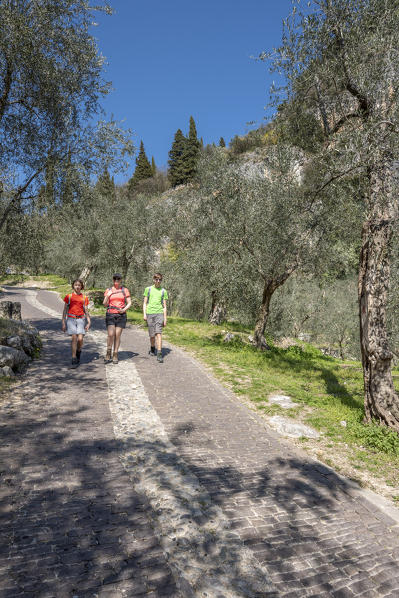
pixel 297 517
pixel 71 508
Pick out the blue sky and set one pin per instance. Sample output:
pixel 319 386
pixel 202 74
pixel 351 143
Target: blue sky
pixel 170 60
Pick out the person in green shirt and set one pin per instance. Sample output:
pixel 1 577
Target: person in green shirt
pixel 154 311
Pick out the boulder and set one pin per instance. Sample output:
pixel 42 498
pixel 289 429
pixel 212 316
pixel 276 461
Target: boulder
pixel 15 342
pixel 292 429
pixel 31 341
pixel 229 337
pixel 7 371
pixel 283 401
pixel 12 358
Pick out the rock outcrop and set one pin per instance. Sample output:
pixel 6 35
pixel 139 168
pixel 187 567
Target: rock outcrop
pixel 19 340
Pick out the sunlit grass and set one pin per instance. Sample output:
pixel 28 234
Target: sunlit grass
pixel 326 392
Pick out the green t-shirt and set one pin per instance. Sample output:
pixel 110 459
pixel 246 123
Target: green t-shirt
pixel 154 305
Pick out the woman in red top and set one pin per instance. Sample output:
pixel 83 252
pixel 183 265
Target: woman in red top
pixel 73 319
pixel 117 301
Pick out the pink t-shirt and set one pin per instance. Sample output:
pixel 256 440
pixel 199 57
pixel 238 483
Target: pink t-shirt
pixel 117 299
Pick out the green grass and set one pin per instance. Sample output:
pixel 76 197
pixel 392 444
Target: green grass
pixel 327 390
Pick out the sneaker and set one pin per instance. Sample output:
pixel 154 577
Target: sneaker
pixel 153 353
pixel 75 362
pixel 115 358
pixel 159 358
pixel 78 354
pixel 107 358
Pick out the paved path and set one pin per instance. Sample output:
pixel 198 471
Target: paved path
pixel 75 522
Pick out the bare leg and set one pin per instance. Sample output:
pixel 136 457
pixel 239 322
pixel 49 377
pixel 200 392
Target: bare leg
pixel 158 341
pixel 152 341
pixel 117 340
pixel 80 342
pixel 110 337
pixel 74 343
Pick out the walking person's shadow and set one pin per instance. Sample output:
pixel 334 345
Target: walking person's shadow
pixel 123 355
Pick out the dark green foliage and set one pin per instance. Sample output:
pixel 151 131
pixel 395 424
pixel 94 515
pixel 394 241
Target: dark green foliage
pixel 222 142
pixel 106 186
pixel 191 153
pixel 176 171
pixel 153 166
pixel 143 168
pixel 183 156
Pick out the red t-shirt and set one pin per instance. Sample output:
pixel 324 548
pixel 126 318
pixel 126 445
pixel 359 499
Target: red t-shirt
pixel 117 299
pixel 76 303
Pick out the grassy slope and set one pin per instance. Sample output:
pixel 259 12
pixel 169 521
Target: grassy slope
pixel 328 392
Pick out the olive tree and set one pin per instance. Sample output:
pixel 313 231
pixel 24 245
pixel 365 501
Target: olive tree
pixel 101 239
pixel 341 64
pixel 50 89
pixel 246 228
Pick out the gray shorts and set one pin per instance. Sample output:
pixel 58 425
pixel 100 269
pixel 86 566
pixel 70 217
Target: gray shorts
pixel 76 325
pixel 155 324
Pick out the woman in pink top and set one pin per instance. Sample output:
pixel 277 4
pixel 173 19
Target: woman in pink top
pixel 117 301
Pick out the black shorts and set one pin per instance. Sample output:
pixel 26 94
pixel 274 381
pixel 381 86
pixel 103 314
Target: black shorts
pixel 118 320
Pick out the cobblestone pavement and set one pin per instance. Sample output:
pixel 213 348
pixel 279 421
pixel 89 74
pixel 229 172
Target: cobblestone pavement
pixel 316 535
pixel 71 522
pixel 74 523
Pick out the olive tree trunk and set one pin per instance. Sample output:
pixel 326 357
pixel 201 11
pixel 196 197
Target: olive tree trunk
pixel 380 399
pixel 263 315
pixel 218 310
pixel 269 287
pixel 85 273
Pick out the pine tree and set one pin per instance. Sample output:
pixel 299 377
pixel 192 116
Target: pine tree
pixel 106 185
pixel 143 168
pixel 190 153
pixel 153 166
pixel 222 142
pixel 176 173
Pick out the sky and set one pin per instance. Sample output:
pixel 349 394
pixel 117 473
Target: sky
pixel 170 60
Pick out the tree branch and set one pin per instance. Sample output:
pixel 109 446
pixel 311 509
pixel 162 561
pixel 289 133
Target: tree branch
pixel 25 105
pixel 344 119
pixel 322 109
pixel 333 178
pixel 18 195
pixel 349 84
pixel 6 92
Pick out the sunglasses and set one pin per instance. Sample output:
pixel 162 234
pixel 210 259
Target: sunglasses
pixel 158 279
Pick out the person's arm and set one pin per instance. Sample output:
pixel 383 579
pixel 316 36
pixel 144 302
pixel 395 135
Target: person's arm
pixel 128 304
pixel 164 313
pixel 145 307
pixel 86 310
pixel 64 314
pixel 107 295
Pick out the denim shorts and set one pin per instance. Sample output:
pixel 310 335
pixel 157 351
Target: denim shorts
pixel 76 325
